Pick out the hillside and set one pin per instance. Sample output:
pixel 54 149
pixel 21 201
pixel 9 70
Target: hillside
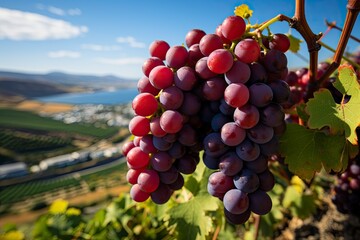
pixel 11 87
pixel 71 79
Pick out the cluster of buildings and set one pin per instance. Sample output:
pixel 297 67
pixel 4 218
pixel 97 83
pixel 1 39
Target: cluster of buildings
pixel 20 169
pixel 118 115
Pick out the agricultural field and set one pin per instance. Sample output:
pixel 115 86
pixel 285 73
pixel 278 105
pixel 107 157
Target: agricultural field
pixel 26 196
pixel 26 120
pixel 28 137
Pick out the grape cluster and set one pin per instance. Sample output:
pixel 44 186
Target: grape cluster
pixel 299 82
pixel 249 120
pixel 166 126
pixel 347 191
pixel 219 92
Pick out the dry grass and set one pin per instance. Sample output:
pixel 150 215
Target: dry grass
pixel 40 107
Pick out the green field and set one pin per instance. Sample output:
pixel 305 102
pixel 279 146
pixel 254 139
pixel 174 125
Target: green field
pixel 26 120
pixel 20 192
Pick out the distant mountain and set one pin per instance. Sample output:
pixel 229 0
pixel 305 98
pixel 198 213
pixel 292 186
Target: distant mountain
pixel 26 89
pixel 25 85
pixel 97 82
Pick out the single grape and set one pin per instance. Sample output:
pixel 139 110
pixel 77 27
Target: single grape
pixel 247 50
pixel 219 182
pixel 248 150
pixel 185 78
pixel 236 94
pixel 148 180
pixel 144 86
pixel 238 73
pixel 137 158
pixel 220 61
pixel 260 133
pixel 193 37
pixel 194 55
pixel 202 69
pixel 275 60
pixel 230 164
pixel 211 162
pixel 171 98
pixel 247 181
pixel 232 134
pixel 259 165
pixel 162 194
pixel 233 27
pixel 260 94
pixel 169 176
pixel 272 115
pixel 155 127
pixel 150 63
pixel 158 48
pixel 213 89
pixel 260 202
pixel 161 161
pixel 186 164
pixel 146 144
pixel 145 104
pixel 280 42
pixel 161 77
pixel 267 180
pixel 133 174
pixel 126 147
pixel 178 183
pixel 246 116
pixel 237 218
pixel 139 126
pixel 209 43
pixel 236 201
pixel 171 121
pixel 137 194
pixel 176 56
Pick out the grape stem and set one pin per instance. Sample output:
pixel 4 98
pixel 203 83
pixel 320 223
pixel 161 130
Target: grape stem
pixel 257 226
pixel 344 57
pixel 353 8
pixel 332 25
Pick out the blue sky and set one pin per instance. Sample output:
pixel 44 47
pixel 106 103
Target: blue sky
pixel 112 37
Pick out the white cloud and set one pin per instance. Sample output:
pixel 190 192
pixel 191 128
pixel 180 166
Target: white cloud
pixel 121 61
pixel 19 25
pixel 98 47
pixel 56 11
pixel 64 54
pixel 131 41
pixel 74 12
pixel 59 11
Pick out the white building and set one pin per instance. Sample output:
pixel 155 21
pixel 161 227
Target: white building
pixel 12 170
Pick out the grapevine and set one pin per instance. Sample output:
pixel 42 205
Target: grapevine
pixel 231 95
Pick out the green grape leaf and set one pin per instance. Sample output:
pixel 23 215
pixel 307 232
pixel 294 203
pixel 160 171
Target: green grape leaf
pixel 306 151
pixel 343 117
pixel 300 205
pixel 294 43
pixel 191 219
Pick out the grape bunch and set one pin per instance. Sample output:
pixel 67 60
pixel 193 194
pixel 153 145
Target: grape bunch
pixel 245 131
pixel 220 92
pixel 166 126
pixel 299 82
pixel 347 191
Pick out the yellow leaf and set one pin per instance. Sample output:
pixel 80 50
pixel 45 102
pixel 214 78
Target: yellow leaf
pixel 298 183
pixel 73 211
pixel 12 235
pixel 58 206
pixel 243 11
